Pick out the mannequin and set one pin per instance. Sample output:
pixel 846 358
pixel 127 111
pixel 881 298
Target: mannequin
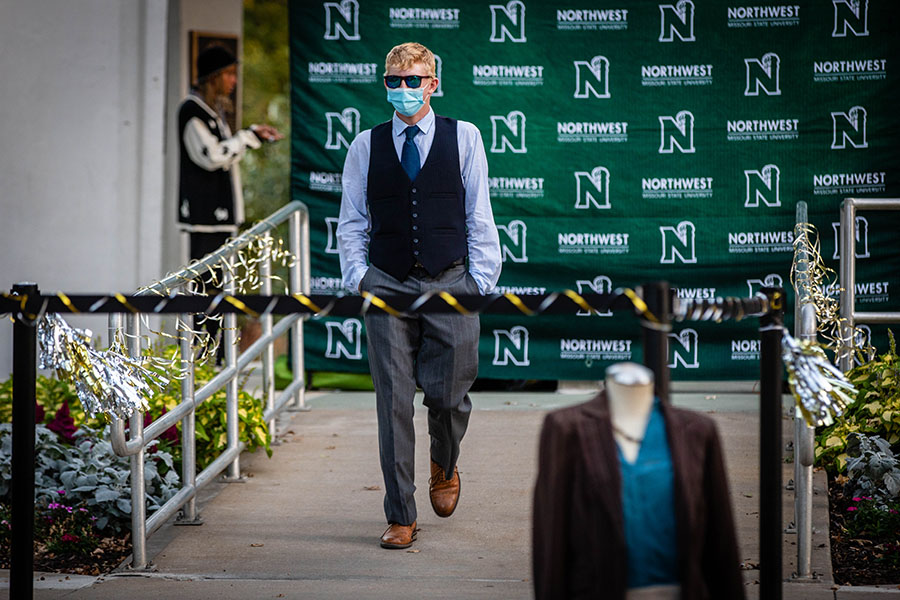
pixel 629 387
pixel 631 500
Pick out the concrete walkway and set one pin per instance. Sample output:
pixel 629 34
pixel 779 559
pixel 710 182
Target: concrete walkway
pixel 306 523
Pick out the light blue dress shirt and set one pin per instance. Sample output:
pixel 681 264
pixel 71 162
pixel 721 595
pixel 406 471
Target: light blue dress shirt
pixel 481 232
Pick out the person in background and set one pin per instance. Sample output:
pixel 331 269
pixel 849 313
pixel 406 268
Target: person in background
pixel 416 217
pixel 210 201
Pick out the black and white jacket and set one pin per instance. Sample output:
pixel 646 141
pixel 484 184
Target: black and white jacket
pixel 209 190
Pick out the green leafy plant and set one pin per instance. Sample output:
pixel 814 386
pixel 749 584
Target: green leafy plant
pixel 68 530
pixel 873 519
pixel 872 468
pixel 52 394
pixel 210 420
pixel 89 474
pixel 875 411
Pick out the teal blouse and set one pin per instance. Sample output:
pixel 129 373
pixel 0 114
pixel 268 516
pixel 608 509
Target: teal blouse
pixel 648 501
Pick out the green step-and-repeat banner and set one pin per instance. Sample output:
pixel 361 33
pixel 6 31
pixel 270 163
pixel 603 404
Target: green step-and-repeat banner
pixel 627 141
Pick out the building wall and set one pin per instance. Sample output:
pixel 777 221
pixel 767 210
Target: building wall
pixel 86 167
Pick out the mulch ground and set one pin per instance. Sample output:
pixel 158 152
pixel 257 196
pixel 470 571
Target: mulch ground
pixel 108 555
pixel 858 561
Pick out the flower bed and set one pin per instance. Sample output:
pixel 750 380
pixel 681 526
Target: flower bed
pixel 859 453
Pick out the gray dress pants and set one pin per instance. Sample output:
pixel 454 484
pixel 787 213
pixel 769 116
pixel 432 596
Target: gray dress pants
pixel 439 352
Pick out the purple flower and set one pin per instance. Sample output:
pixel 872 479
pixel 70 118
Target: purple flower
pixel 69 538
pixel 856 498
pixel 852 508
pixel 61 492
pixel 53 505
pixel 82 509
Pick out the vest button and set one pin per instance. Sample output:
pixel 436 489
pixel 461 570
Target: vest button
pixel 415 240
pixel 414 190
pixel 416 252
pixel 415 215
pixel 415 227
pixel 415 202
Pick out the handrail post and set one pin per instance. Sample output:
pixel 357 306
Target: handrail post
pixel 188 429
pixel 848 282
pixel 770 446
pixel 138 496
pixel 804 329
pixel 298 226
pixel 268 357
pixel 229 339
pixel 21 571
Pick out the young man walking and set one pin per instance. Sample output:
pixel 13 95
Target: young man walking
pixel 416 216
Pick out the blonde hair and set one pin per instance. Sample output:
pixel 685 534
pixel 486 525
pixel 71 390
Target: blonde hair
pixel 406 55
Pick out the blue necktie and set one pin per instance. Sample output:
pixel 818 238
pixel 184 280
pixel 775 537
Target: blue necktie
pixel 409 156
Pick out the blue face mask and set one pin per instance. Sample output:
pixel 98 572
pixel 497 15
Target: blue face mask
pixel 406 101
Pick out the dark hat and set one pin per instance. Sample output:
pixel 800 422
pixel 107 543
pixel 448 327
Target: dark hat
pixel 213 59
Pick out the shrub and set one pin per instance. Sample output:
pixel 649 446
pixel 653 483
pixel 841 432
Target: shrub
pixel 89 474
pixel 68 530
pixel 873 469
pixel 870 519
pixel 210 417
pixel 875 411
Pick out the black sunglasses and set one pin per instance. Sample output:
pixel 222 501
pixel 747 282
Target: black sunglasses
pixel 412 81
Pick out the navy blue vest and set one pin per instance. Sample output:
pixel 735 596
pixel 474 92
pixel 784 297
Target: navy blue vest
pixel 421 221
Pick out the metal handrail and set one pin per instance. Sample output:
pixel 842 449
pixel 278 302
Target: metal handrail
pixel 804 435
pixel 297 215
pixel 849 316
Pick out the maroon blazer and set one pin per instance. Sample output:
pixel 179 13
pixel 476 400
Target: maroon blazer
pixel 578 528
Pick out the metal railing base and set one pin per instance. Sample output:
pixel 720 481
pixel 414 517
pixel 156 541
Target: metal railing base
pixel 806 578
pixel 227 479
pixel 179 520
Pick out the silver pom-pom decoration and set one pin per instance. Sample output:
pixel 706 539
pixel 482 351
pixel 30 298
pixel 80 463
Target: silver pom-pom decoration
pixel 106 381
pixel 821 391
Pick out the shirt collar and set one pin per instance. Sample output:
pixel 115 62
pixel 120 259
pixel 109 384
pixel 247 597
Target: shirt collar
pixel 425 123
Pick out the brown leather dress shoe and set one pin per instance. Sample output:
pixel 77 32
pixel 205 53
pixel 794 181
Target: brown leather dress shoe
pixel 399 536
pixel 444 492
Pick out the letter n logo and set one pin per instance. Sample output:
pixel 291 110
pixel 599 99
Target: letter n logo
pixel 508 132
pixel 763 185
pixel 508 21
pixel 678 241
pixel 512 241
pixel 677 131
pixel 851 15
pixel 511 346
pixel 331 225
pixel 592 78
pixel 770 280
pixel 342 128
pixel 862 238
pixel 342 20
pixel 849 127
pixel 438 67
pixel 862 337
pixel 684 346
pixel 763 74
pixel 601 284
pixel 677 20
pixel 592 188
pixel 344 339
